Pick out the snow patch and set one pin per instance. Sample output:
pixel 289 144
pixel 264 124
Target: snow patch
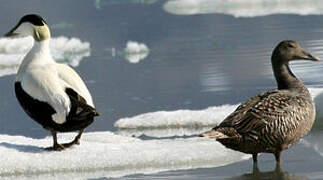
pixel 244 8
pixel 104 154
pixel 135 52
pixel 64 50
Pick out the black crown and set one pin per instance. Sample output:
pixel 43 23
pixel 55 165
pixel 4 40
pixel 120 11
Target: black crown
pixel 35 19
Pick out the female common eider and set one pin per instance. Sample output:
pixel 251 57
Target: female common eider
pixel 52 94
pixel 274 120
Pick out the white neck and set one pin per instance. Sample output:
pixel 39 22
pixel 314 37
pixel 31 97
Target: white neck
pixel 39 55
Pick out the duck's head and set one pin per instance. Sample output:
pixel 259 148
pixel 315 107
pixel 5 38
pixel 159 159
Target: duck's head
pixel 289 50
pixel 31 25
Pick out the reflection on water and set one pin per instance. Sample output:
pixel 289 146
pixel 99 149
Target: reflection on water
pixel 315 140
pixel 252 66
pixel 213 78
pixel 215 173
pixel 278 174
pixel 99 3
pixel 62 25
pixel 244 8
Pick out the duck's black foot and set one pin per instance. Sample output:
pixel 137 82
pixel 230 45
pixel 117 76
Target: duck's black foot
pixel 75 141
pixel 56 147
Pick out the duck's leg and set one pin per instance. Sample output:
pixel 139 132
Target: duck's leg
pixel 255 169
pixel 75 141
pixel 254 157
pixel 78 137
pixel 255 164
pixel 56 146
pixel 277 157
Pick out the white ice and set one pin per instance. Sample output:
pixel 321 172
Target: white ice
pixel 179 118
pixel 65 50
pixel 135 52
pixel 244 8
pixel 104 154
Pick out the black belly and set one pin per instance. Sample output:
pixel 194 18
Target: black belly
pixel 42 112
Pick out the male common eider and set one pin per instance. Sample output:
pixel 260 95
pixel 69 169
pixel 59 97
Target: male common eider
pixel 274 120
pixel 52 94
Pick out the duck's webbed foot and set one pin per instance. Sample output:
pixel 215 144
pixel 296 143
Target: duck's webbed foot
pixel 75 141
pixel 56 146
pixel 60 147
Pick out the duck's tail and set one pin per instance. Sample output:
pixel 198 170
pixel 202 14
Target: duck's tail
pixel 214 134
pixel 221 133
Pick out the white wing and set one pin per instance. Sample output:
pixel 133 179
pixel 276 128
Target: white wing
pixel 72 80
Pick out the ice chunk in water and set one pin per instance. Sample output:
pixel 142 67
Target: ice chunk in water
pixel 243 8
pixel 135 51
pixel 176 119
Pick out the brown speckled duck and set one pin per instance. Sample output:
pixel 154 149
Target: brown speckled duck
pixel 274 120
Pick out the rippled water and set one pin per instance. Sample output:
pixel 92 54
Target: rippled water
pixel 200 54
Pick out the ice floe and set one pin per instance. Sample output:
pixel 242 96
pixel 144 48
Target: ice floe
pixel 135 51
pixel 244 8
pixel 179 118
pixel 104 154
pixel 63 49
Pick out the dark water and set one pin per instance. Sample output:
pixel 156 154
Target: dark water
pixel 194 62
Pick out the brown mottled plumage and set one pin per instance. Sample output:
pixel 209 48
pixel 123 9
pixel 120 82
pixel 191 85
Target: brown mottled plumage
pixel 274 120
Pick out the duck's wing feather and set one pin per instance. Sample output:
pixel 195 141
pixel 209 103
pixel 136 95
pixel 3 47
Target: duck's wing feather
pixel 72 80
pixel 268 111
pixel 80 110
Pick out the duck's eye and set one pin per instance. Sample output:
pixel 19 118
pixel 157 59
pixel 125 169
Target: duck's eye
pixel 290 46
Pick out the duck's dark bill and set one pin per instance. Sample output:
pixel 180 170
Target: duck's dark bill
pixel 308 56
pixel 10 34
